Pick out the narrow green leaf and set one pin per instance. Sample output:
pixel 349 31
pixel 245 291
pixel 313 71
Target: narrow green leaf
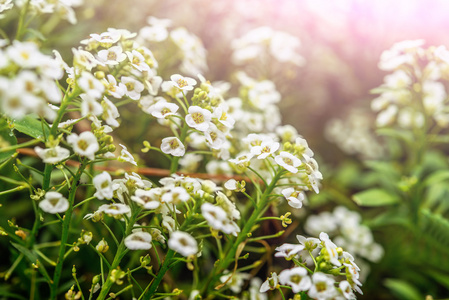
pixel 375 197
pixel 436 177
pixel 31 127
pixel 404 135
pixel 6 139
pixel 32 257
pixel 402 289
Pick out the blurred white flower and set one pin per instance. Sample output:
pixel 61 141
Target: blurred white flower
pixel 297 278
pixel 52 155
pixel 173 146
pixel 183 243
pixel 103 185
pixel 139 240
pixel 54 203
pixel 85 144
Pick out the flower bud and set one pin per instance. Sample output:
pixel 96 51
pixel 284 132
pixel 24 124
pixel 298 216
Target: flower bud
pixel 102 246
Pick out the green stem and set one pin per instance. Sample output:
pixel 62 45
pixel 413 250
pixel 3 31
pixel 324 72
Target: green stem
pixel 121 250
pixel 245 232
pixel 23 145
pixel 65 230
pixel 20 26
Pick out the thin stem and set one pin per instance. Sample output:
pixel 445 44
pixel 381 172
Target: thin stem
pixel 23 145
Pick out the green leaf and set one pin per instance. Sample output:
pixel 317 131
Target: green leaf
pixel 375 197
pixel 36 34
pixel 404 135
pixel 436 177
pixel 402 289
pixel 32 257
pixel 5 139
pixel 441 278
pixel 31 127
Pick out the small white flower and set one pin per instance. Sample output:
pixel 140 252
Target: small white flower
pixel 218 219
pixel 183 83
pixel 294 198
pixel 173 146
pixel 133 87
pixel 309 243
pixel 271 283
pixel 162 109
pixel 231 184
pixel 90 85
pixel 148 199
pixel 288 161
pixel 236 282
pixel 125 156
pixel 322 286
pixel 90 106
pixel 139 240
pixel 52 155
pixel 138 61
pixel 221 113
pixel 346 290
pixel 175 195
pixel 183 243
pixel 115 209
pixel 112 56
pixel 114 89
pixel 198 118
pixel 297 278
pixel 85 144
pixel 110 113
pixel 103 184
pixel 54 203
pixel 331 249
pixel 214 137
pixel 266 148
pixel 288 251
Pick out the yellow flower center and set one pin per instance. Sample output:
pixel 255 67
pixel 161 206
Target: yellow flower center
pixel 198 118
pixel 82 144
pixel 182 83
pixel 174 144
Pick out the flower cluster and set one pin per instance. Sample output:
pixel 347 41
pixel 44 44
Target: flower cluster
pixel 63 8
pixel 264 41
pixel 415 90
pixel 354 135
pixel 327 261
pixel 346 229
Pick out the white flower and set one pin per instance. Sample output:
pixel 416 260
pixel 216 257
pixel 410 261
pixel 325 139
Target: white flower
pixel 103 184
pixel 133 87
pixel 114 89
pixel 54 203
pixel 115 209
pixel 154 33
pixel 110 113
pixel 288 251
pixel 294 198
pixel 231 184
pixel 175 195
pixel 288 161
pixel 271 283
pixel 90 85
pixel 322 286
pixel 331 249
pixel 25 54
pixel 52 155
pixel 112 56
pixel 90 106
pixel 183 243
pixel 162 109
pixel 346 290
pixel 218 219
pixel 198 118
pixel 309 243
pixel 221 113
pixel 214 137
pixel 148 199
pixel 138 61
pixel 85 144
pixel 139 240
pixel 126 156
pixel 173 146
pixel 266 148
pixel 236 282
pixel 183 83
pixel 297 278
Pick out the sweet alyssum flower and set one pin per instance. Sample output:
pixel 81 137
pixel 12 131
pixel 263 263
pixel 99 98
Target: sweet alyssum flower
pixel 90 106
pixel 266 148
pixel 133 87
pixel 175 195
pixel 271 283
pixel 149 199
pixel 297 278
pixel 126 156
pixel 288 251
pixel 85 144
pixel 111 56
pixel 183 83
pixel 90 85
pixel 198 118
pixel 322 286
pixel 103 184
pixel 52 155
pixel 139 240
pixel 183 243
pixel 115 209
pixel 231 184
pixel 288 161
pixel 173 146
pixel 294 198
pixel 54 203
pixel 162 109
